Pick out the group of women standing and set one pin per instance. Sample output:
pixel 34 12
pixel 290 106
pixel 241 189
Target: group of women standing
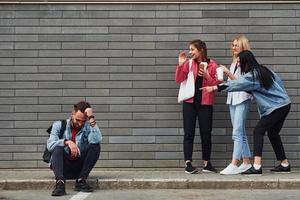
pixel 247 80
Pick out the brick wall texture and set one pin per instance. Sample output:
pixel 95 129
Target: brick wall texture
pixel 121 58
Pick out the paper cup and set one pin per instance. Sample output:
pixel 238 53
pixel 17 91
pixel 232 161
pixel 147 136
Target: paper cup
pixel 203 65
pixel 220 73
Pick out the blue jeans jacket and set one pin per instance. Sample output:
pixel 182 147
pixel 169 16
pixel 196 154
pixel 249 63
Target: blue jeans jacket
pixel 267 100
pixel 87 135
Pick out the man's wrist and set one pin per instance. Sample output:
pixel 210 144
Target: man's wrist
pixel 92 120
pixel 92 123
pixel 65 142
pixel 91 116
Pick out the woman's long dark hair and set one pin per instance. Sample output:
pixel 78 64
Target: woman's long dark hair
pixel 248 63
pixel 201 46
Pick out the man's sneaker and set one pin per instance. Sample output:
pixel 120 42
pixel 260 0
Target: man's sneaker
pixel 190 169
pixel 281 169
pixel 244 167
pixel 59 188
pixel 209 168
pixel 82 186
pixel 230 170
pixel 252 171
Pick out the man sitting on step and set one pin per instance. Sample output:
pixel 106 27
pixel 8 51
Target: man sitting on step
pixel 77 151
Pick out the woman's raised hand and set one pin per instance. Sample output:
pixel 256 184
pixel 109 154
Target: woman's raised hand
pixel 181 58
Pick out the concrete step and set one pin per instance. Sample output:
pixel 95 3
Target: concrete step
pixel 103 180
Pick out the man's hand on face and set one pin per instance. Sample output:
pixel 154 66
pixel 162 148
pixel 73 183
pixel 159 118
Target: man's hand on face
pixel 90 116
pixel 88 112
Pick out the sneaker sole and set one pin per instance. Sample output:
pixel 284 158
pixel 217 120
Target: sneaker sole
pixel 87 191
pixel 207 171
pixel 82 190
pixel 241 171
pixel 252 174
pixel 193 172
pixel 58 195
pixel 229 174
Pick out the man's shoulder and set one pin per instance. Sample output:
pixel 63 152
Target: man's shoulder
pixel 59 123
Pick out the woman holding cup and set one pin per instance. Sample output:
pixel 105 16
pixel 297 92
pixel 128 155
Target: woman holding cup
pixel 239 105
pixel 200 106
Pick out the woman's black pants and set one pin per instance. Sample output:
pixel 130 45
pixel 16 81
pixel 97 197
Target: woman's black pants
pixel 204 114
pixel 271 124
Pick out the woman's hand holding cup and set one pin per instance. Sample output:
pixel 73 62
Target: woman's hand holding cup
pixel 202 69
pixel 225 69
pixel 227 72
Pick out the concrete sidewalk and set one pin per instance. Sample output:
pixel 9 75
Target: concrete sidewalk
pixel 145 179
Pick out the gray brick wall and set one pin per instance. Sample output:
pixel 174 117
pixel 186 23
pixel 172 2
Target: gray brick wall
pixel 121 58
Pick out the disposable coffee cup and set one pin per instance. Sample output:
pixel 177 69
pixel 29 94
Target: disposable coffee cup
pixel 220 73
pixel 203 65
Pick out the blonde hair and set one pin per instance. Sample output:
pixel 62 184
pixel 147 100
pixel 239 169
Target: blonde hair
pixel 243 43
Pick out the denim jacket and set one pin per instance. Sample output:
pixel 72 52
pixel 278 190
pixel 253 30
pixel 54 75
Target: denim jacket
pixel 267 100
pixel 235 98
pixel 84 137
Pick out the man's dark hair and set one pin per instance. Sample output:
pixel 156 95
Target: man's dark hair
pixel 82 105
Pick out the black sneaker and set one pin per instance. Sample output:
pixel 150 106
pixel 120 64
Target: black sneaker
pixel 82 186
pixel 253 171
pixel 209 168
pixel 190 169
pixel 59 188
pixel 281 169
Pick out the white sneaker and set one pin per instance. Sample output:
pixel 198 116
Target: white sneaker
pixel 230 170
pixel 244 167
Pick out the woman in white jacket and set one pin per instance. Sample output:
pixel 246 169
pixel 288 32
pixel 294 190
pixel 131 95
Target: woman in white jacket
pixel 239 105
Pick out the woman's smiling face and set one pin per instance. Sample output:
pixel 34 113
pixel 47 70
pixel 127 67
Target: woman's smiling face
pixel 235 47
pixel 195 53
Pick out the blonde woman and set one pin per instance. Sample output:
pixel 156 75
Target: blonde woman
pixel 239 105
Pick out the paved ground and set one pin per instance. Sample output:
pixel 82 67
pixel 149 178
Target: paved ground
pixel 182 194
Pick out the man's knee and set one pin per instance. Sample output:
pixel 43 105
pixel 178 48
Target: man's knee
pixel 58 150
pixel 95 148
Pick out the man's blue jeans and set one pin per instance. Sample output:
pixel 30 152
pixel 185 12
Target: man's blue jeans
pixel 238 114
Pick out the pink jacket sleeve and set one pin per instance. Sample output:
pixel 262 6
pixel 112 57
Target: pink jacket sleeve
pixel 182 72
